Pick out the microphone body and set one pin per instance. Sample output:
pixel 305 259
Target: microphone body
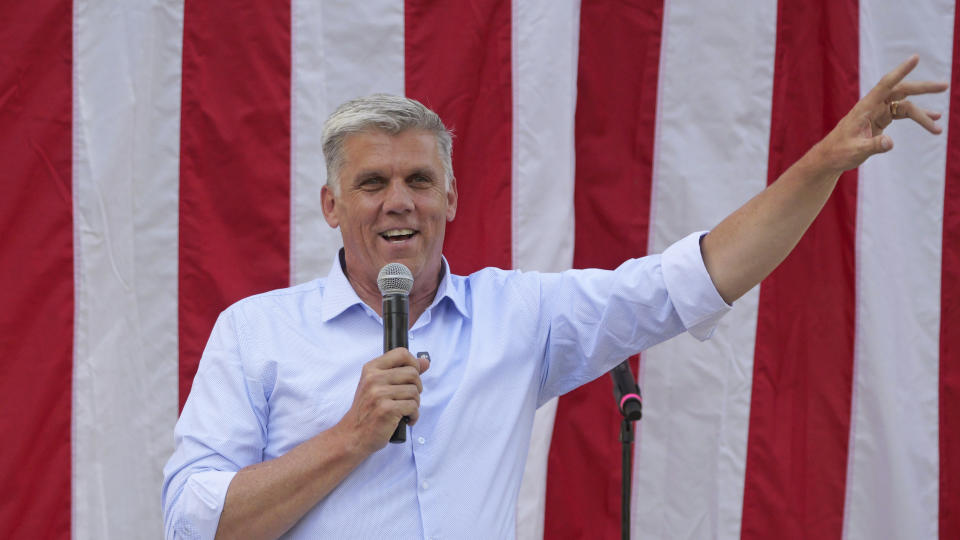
pixel 395 282
pixel 396 320
pixel 396 317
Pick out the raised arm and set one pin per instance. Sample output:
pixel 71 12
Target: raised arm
pixel 749 243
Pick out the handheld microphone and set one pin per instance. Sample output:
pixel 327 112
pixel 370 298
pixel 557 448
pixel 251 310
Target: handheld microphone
pixel 395 282
pixel 626 392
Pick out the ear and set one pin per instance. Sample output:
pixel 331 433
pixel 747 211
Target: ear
pixel 329 206
pixel 452 200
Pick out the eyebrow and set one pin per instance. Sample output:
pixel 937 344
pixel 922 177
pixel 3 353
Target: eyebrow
pixel 368 174
pixel 378 173
pixel 421 171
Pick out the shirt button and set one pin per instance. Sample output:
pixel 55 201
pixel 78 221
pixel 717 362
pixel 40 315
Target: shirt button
pixel 425 485
pixel 421 440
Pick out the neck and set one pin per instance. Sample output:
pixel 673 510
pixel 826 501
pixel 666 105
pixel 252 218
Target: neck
pixel 420 297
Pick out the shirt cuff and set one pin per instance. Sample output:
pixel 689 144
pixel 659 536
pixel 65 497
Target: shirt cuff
pixel 201 504
pixel 691 290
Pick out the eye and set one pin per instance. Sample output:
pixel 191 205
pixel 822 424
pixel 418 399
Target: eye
pixel 420 180
pixel 371 183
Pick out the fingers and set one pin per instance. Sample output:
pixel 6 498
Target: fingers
pixel 921 116
pixel 395 367
pixel 393 379
pixel 409 409
pixel 908 109
pixel 400 376
pixel 913 88
pixel 892 79
pixel 389 389
pixel 892 87
pixel 395 358
pixel 402 401
pixel 396 401
pixel 860 133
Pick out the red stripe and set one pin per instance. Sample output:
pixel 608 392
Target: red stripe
pixel 619 63
pixel 36 267
pixel 803 365
pixel 950 317
pixel 234 163
pixel 458 64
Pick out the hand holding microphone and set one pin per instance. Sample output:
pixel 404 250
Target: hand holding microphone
pixel 389 389
pixel 388 394
pixel 395 282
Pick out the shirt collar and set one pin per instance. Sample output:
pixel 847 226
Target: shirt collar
pixel 339 296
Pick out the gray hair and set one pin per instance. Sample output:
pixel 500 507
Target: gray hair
pixel 381 112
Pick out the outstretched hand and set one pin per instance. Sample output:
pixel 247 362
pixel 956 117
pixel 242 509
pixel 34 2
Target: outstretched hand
pixel 746 246
pixel 859 134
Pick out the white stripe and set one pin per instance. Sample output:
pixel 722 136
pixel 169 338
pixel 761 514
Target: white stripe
pixel 716 82
pixel 544 66
pixel 341 50
pixel 126 116
pixel 893 470
pixel 544 70
pixel 531 503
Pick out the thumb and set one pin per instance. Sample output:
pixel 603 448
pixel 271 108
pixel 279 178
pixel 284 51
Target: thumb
pixel 424 359
pixel 879 144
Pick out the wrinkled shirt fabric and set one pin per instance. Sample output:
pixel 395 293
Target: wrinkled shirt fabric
pixel 283 366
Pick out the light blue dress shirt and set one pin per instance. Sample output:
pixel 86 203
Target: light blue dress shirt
pixel 283 366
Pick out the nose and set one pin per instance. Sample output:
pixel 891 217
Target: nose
pixel 398 198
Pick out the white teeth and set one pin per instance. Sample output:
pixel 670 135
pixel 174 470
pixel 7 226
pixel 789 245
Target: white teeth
pixel 397 232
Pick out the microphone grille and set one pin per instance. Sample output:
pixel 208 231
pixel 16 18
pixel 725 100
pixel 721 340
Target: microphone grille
pixel 395 278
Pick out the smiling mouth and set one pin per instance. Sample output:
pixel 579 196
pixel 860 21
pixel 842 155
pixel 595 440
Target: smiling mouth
pixel 398 235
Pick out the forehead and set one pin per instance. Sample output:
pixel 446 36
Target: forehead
pixel 377 149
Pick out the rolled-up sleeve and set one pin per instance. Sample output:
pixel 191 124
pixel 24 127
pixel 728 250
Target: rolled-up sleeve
pixel 692 292
pixel 597 318
pixel 220 431
pixel 195 512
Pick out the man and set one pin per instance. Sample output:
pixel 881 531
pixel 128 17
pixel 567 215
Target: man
pixel 287 423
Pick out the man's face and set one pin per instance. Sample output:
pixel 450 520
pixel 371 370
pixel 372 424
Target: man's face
pixel 393 205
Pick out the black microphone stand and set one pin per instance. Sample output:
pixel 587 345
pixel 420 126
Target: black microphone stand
pixel 627 394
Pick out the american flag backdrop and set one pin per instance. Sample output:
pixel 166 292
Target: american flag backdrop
pixel 161 159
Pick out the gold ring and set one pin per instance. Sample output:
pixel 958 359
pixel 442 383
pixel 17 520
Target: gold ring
pixel 894 108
